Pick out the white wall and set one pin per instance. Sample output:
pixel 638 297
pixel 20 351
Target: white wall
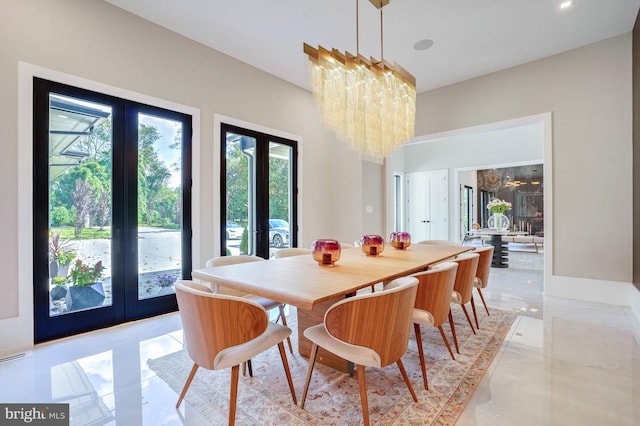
pixel 95 42
pixel 372 198
pixel 588 92
pixel 392 165
pixel 516 144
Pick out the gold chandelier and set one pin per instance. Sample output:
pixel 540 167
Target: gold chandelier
pixel 369 103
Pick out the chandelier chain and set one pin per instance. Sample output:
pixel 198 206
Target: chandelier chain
pixel 381 38
pixel 357 29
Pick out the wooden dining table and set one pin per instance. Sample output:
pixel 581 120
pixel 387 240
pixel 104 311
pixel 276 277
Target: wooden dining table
pixel 299 281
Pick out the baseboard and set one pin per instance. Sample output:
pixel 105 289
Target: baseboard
pixel 589 290
pixel 635 311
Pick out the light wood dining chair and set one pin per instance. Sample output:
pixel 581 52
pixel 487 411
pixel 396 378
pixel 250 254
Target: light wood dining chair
pixel 230 260
pixel 463 289
pixel 438 242
pixel 433 304
pixel 268 304
pixel 288 252
pixel 223 331
pixel 291 251
pixel 369 330
pixel 482 275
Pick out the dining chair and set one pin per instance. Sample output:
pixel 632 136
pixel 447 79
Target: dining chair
pixel 463 289
pixel 230 260
pixel 482 274
pixel 369 330
pixel 267 304
pixel 291 251
pixel 438 242
pixel 223 331
pixel 432 306
pixel 288 252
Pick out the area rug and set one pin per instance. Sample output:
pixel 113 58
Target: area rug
pixel 334 397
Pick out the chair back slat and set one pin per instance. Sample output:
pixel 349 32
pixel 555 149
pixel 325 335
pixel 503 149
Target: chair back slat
pixel 292 251
pixel 213 322
pixel 438 242
pixel 467 268
pixel 231 260
pixel 484 264
pixel 380 321
pixel 434 291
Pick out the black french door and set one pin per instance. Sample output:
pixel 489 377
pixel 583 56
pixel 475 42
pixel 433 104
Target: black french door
pixel 258 188
pixel 112 209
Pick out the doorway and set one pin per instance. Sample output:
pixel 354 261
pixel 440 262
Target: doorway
pixel 112 215
pixel 258 187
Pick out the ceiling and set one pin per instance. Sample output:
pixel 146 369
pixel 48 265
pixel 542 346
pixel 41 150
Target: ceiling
pixel 471 37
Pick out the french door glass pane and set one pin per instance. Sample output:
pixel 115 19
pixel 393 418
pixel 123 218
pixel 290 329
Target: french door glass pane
pixel 280 157
pixel 80 181
pixel 241 194
pixel 159 205
pixel 467 217
pixel 258 193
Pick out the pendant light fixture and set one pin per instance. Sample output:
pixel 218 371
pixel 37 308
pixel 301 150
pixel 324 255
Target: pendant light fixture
pixel 369 103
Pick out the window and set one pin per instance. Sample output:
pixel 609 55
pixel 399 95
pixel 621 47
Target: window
pixel 112 209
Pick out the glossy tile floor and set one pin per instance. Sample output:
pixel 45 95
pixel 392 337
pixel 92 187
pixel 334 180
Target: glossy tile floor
pixel 563 363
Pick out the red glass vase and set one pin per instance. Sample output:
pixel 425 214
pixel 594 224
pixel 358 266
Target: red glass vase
pixel 326 252
pixel 400 240
pixel 372 245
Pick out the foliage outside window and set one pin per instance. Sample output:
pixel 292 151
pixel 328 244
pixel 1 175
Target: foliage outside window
pixel 79 197
pixel 83 275
pixel 238 182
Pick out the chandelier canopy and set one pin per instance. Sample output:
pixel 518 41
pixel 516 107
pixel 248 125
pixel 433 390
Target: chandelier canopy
pixel 369 103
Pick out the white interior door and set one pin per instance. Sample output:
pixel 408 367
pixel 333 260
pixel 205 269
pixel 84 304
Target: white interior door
pixel 428 205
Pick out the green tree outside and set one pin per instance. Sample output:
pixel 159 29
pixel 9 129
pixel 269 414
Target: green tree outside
pixel 80 197
pixel 238 183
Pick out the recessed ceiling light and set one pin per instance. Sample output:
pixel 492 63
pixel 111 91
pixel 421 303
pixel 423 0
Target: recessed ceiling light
pixel 566 4
pixel 423 44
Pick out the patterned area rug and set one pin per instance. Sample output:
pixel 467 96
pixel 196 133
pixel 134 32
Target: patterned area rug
pixel 334 397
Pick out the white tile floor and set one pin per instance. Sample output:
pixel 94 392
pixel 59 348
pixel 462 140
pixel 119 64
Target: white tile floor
pixel 563 363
